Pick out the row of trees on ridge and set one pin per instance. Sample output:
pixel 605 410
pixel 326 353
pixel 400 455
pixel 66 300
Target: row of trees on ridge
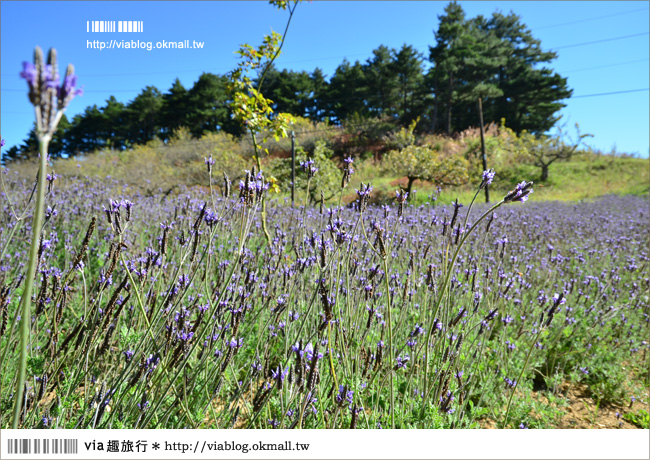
pixel 496 59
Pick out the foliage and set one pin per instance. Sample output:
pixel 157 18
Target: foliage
pixel 326 180
pixel 402 138
pixel 517 278
pixel 503 148
pixel 430 163
pixel 544 150
pixel 249 106
pixel 157 166
pixel 640 418
pixel 498 59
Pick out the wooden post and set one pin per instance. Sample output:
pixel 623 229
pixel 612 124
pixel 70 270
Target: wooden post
pixel 293 167
pixel 480 114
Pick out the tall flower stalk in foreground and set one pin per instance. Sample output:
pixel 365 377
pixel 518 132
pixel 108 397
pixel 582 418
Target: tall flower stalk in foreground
pixel 49 99
pixel 249 105
pixel 520 193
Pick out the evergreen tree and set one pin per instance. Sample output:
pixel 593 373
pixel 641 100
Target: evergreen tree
pixel 531 91
pixel 381 83
pixel 291 92
pixel 316 110
pixel 412 95
pixel 175 109
pixel 142 115
pixel 209 106
pixel 499 60
pixel 447 58
pixel 86 132
pixel 114 118
pixel 347 92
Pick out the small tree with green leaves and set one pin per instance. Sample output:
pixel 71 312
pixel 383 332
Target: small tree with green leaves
pixel 427 163
pixel 327 180
pixel 543 150
pixel 249 105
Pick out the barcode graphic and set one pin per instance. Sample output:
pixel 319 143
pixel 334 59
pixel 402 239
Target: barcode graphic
pixel 42 446
pixel 114 26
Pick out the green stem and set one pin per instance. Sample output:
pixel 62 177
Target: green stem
pixel 25 317
pixel 390 347
pixel 259 167
pixel 512 393
pixel 443 290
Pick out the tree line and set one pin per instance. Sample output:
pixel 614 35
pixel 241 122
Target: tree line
pixel 493 58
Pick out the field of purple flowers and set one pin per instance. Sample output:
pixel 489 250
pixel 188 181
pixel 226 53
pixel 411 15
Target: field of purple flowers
pixel 174 311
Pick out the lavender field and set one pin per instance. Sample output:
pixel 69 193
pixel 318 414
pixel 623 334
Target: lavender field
pixel 173 311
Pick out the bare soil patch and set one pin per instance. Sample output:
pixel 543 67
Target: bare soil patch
pixel 583 412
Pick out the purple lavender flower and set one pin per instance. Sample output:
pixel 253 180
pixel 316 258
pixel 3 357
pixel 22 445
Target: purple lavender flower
pixel 488 176
pixel 556 299
pixel 402 361
pixel 256 367
pixel 401 196
pixel 519 193
pixel 347 172
pixel 309 167
pixel 418 330
pixel 279 374
pixel 29 73
pixel 144 406
pixel 68 90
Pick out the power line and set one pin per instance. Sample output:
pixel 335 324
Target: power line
pixel 332 100
pixel 613 92
pixel 607 65
pixel 337 57
pixel 86 90
pixel 600 41
pixel 590 19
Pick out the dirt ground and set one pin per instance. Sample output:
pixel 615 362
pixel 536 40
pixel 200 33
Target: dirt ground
pixel 581 412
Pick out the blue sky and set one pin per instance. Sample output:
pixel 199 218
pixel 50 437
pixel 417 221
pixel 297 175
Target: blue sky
pixel 321 35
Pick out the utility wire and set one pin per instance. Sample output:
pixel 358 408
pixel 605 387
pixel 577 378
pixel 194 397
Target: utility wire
pixel 336 57
pixel 332 100
pixel 590 19
pixel 600 41
pixel 607 65
pixel 613 92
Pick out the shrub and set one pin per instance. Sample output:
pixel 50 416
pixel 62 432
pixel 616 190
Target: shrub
pixel 327 179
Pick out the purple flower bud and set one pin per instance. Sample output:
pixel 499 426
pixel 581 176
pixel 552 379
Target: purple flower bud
pixel 68 90
pixel 29 73
pixel 488 176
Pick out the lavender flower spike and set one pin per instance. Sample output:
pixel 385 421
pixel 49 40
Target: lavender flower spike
pixel 488 176
pixel 29 74
pixel 68 90
pixel 519 193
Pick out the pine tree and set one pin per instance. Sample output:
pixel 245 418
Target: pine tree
pixel 175 109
